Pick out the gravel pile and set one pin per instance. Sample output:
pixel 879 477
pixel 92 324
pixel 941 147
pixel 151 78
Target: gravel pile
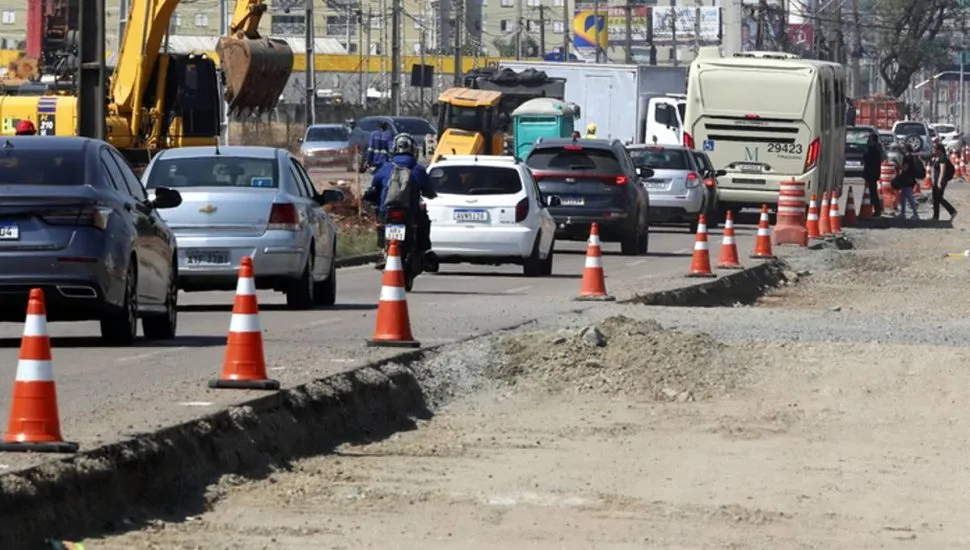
pixel 622 356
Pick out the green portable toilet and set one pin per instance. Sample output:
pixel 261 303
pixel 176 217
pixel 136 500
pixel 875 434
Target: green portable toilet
pixel 543 117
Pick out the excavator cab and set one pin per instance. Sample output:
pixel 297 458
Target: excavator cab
pixel 469 123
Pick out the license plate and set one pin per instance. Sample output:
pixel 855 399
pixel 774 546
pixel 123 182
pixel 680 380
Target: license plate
pixel 9 232
pixel 395 233
pixel 657 185
pixel 208 257
pixel 467 215
pixel 853 164
pixel 749 167
pixel 572 201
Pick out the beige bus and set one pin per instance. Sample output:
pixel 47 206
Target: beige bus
pixel 767 117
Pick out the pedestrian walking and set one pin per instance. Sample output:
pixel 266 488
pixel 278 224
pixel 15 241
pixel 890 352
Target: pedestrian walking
pixel 911 172
pixel 943 171
pixel 871 167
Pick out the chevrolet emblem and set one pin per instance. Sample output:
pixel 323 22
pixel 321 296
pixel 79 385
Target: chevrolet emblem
pixel 207 209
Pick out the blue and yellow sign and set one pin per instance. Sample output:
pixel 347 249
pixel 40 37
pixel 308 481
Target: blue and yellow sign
pixel 590 30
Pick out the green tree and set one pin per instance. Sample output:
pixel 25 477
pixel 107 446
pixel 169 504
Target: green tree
pixel 906 35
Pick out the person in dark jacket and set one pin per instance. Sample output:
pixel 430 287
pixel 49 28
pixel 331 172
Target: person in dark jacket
pixel 404 156
pixel 871 166
pixel 943 171
pixel 911 172
pixel 378 145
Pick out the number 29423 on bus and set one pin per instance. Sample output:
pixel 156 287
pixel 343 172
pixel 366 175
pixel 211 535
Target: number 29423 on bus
pixel 789 148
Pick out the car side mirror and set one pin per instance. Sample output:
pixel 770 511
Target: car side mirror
pixel 721 173
pixel 166 198
pixel 329 196
pixel 553 201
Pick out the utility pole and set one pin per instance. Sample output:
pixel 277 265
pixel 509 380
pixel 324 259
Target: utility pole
pixel 122 22
pixel 652 48
pixel 697 27
pixel 424 43
pixel 839 35
pixel 360 55
pixel 396 58
pixel 856 67
pixel 963 86
pixel 760 36
pixel 310 71
pixel 223 31
pixel 628 9
pixel 542 30
pixel 459 19
pixel 518 29
pixel 673 33
pixel 596 28
pixel 565 31
pixel 92 88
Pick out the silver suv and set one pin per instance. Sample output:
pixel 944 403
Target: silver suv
pixel 916 134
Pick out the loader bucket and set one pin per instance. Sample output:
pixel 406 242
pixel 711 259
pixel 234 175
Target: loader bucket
pixel 256 72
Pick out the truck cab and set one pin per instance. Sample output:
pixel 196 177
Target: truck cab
pixel 664 124
pixel 541 118
pixel 470 122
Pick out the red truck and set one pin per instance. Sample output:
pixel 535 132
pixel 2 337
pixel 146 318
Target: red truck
pixel 878 112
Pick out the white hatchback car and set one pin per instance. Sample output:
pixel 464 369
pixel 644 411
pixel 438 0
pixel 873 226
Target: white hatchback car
pixel 490 211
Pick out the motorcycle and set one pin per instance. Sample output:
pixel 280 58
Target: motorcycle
pixel 397 226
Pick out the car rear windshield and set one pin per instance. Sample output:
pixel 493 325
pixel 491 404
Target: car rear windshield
pixel 47 167
pixel 661 158
pixel 563 159
pixel 327 133
pixel 475 180
pixel 910 128
pixel 857 137
pixel 220 171
pixel 413 126
pixel 945 128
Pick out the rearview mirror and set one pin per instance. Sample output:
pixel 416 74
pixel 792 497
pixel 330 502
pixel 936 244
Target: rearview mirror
pixel 166 198
pixel 329 196
pixel 721 173
pixel 553 201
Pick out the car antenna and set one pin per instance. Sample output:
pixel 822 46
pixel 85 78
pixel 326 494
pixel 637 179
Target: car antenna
pixel 217 148
pixel 7 144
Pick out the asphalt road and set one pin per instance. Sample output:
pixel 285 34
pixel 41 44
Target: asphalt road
pixel 110 393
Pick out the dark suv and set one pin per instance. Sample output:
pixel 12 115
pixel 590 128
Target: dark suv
pixel 595 181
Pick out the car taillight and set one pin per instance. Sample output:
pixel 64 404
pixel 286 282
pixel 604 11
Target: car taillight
pixel 620 180
pixel 284 217
pixel 688 141
pixel 396 216
pixel 693 180
pixel 709 182
pixel 96 217
pixel 812 156
pixel 521 210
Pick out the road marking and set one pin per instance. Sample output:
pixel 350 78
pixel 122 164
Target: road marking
pixel 683 251
pixel 635 263
pixel 342 360
pixel 321 322
pixel 518 289
pixel 196 403
pixel 277 368
pixel 148 355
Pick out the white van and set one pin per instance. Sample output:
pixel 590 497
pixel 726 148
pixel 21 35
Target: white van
pixel 767 117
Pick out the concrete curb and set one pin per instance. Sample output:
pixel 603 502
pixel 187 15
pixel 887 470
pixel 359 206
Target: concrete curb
pixel 743 287
pixel 95 490
pixel 360 259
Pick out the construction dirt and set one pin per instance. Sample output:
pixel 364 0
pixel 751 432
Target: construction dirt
pixel 831 414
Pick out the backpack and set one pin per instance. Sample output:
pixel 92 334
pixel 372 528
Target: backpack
pixel 917 169
pixel 948 169
pixel 398 187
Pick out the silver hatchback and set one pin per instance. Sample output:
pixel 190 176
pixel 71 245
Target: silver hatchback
pixel 677 190
pixel 249 201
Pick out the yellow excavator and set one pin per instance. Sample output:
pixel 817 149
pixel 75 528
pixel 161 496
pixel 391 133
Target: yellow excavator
pixel 162 100
pixel 469 123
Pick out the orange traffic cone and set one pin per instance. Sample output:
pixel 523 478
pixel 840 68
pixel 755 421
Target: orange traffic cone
pixel 393 325
pixel 811 222
pixel 866 212
pixel 244 367
pixel 928 182
pixel 700 262
pixel 762 243
pixel 850 215
pixel 835 220
pixel 728 258
pixel 34 424
pixel 593 285
pixel 823 216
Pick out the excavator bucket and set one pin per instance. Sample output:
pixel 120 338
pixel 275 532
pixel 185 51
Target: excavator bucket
pixel 256 72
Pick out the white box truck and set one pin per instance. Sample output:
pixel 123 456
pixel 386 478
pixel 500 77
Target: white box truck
pixel 632 103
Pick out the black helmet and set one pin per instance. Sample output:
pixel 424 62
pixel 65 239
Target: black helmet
pixel 403 145
pixel 383 125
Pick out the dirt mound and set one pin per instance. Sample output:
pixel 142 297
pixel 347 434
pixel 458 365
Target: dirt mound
pixel 620 355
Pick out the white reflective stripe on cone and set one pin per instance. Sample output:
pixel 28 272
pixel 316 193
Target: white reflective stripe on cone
pixel 393 264
pixel 701 228
pixel 729 223
pixel 727 240
pixel 35 325
pixel 246 286
pixel 763 231
pixel 594 239
pixel 32 370
pixel 594 261
pixel 813 217
pixel 392 294
pixel 700 245
pixel 791 209
pixel 244 322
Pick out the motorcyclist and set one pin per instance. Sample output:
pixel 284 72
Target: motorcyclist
pixel 378 145
pixel 25 128
pixel 403 155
